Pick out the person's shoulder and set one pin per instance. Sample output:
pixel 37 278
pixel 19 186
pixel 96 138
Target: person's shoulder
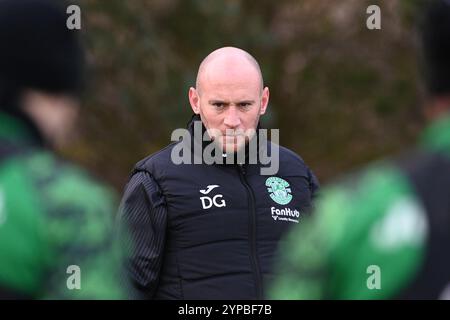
pixel 156 160
pixel 289 161
pixel 366 195
pixel 63 182
pixel 289 155
pixel 379 178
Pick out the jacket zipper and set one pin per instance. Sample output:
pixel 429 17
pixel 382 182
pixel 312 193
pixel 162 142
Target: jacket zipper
pixel 252 233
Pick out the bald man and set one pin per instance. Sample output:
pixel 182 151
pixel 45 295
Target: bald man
pixel 209 230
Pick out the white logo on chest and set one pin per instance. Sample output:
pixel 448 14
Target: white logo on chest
pixel 208 202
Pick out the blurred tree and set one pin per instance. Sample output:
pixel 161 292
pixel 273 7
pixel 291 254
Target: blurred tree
pixel 341 94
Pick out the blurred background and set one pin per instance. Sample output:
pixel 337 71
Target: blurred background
pixel 341 94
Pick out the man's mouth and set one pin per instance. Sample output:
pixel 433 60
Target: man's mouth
pixel 234 138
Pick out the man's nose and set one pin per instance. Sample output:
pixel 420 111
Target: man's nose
pixel 232 119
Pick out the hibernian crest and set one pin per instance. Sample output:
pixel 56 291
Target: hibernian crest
pixel 279 190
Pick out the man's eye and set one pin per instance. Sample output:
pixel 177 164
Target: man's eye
pixel 244 104
pixel 218 105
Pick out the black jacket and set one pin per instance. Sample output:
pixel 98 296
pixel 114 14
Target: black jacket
pixel 210 231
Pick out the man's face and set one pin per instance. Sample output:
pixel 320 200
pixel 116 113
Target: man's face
pixel 54 115
pixel 230 104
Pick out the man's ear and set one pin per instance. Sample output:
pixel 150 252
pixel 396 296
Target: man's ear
pixel 264 100
pixel 194 100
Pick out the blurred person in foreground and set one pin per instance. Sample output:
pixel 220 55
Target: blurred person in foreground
pixel 384 233
pixel 209 230
pixel 56 222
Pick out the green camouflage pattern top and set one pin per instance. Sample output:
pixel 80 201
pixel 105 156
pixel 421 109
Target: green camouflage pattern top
pixel 56 225
pixel 367 239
